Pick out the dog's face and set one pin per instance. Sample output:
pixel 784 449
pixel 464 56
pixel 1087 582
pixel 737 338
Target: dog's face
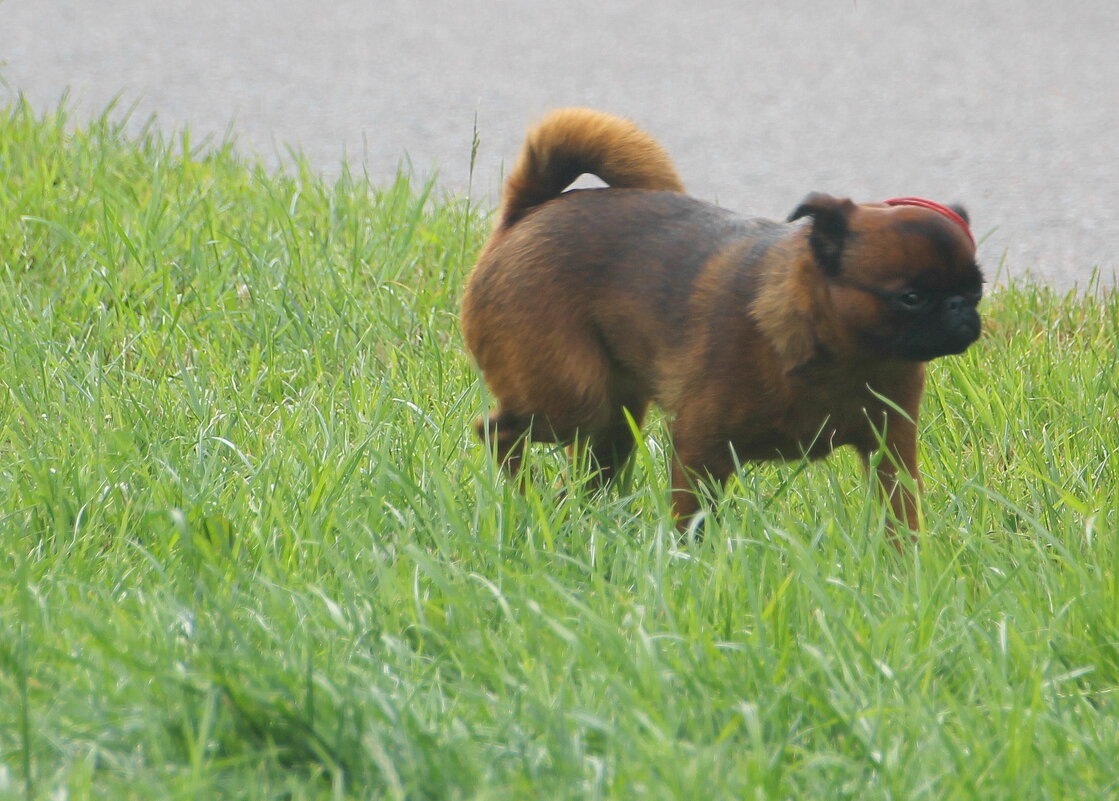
pixel 902 280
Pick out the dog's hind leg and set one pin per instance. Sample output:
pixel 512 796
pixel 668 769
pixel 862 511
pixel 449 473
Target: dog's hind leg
pixel 612 444
pixel 508 434
pixel 558 390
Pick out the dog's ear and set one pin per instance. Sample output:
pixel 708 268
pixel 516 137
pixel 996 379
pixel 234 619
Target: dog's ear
pixel 956 207
pixel 830 216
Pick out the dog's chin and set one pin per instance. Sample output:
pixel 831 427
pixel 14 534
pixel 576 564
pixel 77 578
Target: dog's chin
pixel 951 344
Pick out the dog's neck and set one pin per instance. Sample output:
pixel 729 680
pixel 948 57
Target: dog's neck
pixel 788 316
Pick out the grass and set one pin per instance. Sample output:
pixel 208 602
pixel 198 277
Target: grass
pixel 249 550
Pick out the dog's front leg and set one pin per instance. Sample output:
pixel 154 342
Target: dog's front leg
pixel 694 468
pixel 899 477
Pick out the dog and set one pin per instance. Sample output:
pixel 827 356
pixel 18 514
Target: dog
pixel 761 339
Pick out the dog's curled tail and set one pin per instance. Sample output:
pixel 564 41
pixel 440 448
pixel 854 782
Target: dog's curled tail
pixel 572 141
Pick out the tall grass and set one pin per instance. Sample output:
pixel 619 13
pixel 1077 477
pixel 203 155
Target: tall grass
pixel 249 549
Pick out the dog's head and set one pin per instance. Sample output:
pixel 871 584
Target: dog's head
pixel 901 279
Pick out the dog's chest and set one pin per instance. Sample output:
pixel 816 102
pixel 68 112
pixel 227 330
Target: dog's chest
pixel 813 421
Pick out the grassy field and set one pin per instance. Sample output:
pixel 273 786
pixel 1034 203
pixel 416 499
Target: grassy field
pixel 250 550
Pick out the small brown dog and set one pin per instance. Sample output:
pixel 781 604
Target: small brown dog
pixel 762 339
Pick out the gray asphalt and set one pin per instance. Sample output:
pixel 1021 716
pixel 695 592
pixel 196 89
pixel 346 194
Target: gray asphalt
pixel 1009 107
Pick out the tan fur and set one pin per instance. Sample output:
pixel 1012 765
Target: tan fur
pixel 789 316
pixel 760 339
pixel 570 142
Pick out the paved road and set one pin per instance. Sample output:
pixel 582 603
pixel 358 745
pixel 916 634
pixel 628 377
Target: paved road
pixel 1012 108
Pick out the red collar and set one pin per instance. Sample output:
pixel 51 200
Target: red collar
pixel 932 205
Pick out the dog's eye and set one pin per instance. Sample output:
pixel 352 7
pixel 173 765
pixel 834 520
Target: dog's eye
pixel 911 300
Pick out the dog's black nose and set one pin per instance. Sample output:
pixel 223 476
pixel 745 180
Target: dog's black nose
pixel 955 303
